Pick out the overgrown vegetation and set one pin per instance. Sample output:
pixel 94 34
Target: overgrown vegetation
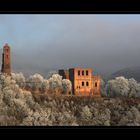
pixel 21 107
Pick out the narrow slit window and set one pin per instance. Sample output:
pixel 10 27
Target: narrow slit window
pixel 82 83
pixel 82 72
pixel 96 84
pixel 78 72
pixel 87 72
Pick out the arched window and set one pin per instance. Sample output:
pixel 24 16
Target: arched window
pixel 87 84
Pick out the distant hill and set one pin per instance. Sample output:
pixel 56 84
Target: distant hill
pixel 131 72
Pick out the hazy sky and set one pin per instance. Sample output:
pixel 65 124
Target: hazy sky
pixel 40 43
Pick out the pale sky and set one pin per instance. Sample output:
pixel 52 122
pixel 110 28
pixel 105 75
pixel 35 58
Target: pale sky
pixel 43 42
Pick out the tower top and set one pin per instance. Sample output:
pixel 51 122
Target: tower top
pixel 6 44
pixel 6 66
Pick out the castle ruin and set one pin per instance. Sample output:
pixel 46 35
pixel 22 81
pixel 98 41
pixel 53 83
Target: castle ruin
pixel 83 82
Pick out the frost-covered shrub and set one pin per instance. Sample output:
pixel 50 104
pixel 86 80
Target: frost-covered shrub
pixel 38 118
pixel 86 113
pixel 6 81
pixel 45 85
pixel 19 109
pixel 8 96
pixel 130 118
pixel 28 98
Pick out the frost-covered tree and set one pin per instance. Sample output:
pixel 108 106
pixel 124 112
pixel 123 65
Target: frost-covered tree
pixel 49 74
pixel 103 88
pixel 35 81
pixel 134 88
pixel 19 78
pixel 45 85
pixel 121 86
pixel 67 86
pixel 55 83
pixel 118 87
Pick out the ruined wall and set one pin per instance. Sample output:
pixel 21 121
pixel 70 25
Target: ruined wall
pixel 71 78
pixel 64 74
pixel 83 81
pixel 96 85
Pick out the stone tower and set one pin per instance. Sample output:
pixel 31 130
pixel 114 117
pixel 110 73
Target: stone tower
pixel 6 66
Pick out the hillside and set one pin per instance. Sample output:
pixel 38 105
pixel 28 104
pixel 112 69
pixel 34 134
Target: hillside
pixel 131 72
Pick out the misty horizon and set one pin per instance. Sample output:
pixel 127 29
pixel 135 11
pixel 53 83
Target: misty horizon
pixel 43 43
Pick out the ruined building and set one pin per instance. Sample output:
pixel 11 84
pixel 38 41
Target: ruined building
pixel 83 82
pixel 6 65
